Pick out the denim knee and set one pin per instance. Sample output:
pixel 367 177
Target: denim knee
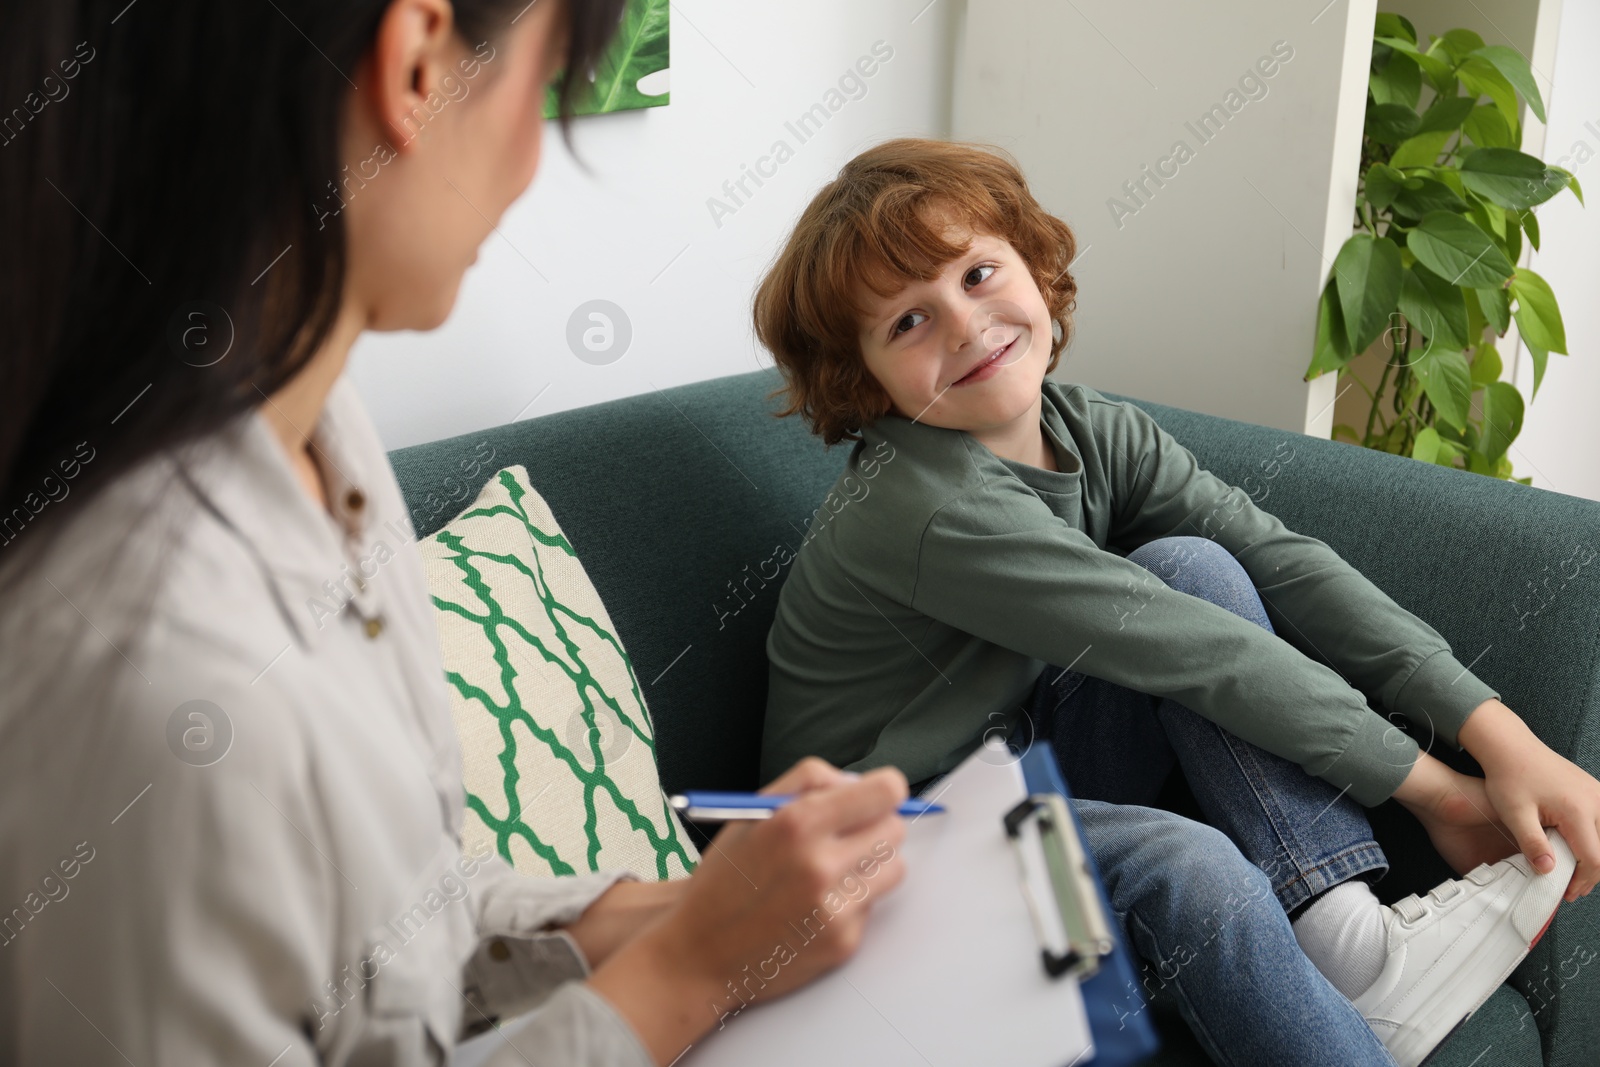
pixel 1215 881
pixel 1202 568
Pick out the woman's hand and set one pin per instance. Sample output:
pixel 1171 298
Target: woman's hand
pixel 620 913
pixel 774 903
pixel 1532 787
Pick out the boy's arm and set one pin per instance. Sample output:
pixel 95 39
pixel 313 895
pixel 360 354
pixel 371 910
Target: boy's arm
pixel 998 564
pixel 1314 599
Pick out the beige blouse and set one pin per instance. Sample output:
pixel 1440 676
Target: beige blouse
pixel 229 824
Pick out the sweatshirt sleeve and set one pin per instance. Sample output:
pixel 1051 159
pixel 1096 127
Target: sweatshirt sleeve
pixel 1315 600
pixel 997 563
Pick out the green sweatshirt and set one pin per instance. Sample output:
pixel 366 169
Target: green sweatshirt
pixel 937 580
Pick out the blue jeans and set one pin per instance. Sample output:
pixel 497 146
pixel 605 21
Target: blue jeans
pixel 1206 906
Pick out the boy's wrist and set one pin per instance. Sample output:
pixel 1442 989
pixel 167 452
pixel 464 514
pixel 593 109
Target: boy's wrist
pixel 1493 732
pixel 1428 780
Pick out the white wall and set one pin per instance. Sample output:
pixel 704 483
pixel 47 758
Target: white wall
pixel 1560 442
pixel 1205 297
pixel 640 233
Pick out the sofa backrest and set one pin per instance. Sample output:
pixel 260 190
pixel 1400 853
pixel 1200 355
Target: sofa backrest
pixel 679 502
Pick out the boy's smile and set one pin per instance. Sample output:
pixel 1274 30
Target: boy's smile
pixel 967 350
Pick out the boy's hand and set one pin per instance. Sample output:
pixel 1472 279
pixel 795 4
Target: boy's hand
pixel 1461 822
pixel 1532 787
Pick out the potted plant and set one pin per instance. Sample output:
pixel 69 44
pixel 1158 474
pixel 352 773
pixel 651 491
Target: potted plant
pixel 1446 197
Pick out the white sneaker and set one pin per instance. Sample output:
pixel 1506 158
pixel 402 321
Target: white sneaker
pixel 1450 950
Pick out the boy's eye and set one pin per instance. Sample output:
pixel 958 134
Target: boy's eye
pixel 896 332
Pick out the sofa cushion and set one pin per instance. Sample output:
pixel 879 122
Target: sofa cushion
pixel 558 749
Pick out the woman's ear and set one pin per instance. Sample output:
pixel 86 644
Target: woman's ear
pixel 409 59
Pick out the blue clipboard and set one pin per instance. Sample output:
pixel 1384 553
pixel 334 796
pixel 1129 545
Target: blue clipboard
pixel 1112 999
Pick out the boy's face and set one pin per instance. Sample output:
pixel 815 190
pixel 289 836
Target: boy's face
pixel 967 350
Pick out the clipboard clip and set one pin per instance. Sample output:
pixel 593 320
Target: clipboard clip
pixel 1062 897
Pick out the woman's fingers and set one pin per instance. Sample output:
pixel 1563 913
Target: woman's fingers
pixel 847 806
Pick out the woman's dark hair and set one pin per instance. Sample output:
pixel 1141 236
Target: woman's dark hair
pixel 168 171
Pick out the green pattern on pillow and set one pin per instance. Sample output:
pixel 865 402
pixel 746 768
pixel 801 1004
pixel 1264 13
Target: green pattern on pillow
pixel 558 750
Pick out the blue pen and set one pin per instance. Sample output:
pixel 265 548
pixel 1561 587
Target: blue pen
pixel 704 805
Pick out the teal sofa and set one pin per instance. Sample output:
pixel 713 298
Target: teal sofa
pixel 678 501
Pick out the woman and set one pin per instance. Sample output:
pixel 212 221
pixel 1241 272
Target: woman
pixel 231 829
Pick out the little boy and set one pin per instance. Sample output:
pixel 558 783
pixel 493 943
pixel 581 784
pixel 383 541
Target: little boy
pixel 980 532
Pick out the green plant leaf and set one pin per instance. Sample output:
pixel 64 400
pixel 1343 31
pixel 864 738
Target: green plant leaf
pixel 1427 445
pixel 1438 70
pixel 1540 357
pixel 1496 305
pixel 1368 271
pixel 1391 25
pixel 1447 380
pixel 1572 181
pixel 1460 43
pixel 1393 441
pixel 1491 218
pixel 1502 419
pixel 1390 123
pixel 1480 78
pixel 1511 241
pixel 1538 316
pixel 1420 151
pixel 1510 178
pixel 1447 113
pixel 1398 82
pixel 1382 182
pixel 1456 250
pixel 1486 366
pixel 1514 68
pixel 1332 347
pixel 1530 225
pixel 1417 196
pixel 1475 319
pixel 1434 307
pixel 639 46
pixel 1486 127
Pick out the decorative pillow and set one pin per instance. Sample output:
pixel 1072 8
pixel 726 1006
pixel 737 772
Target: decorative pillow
pixel 557 744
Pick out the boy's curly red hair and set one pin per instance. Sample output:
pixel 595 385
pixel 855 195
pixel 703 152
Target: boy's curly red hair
pixel 868 229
